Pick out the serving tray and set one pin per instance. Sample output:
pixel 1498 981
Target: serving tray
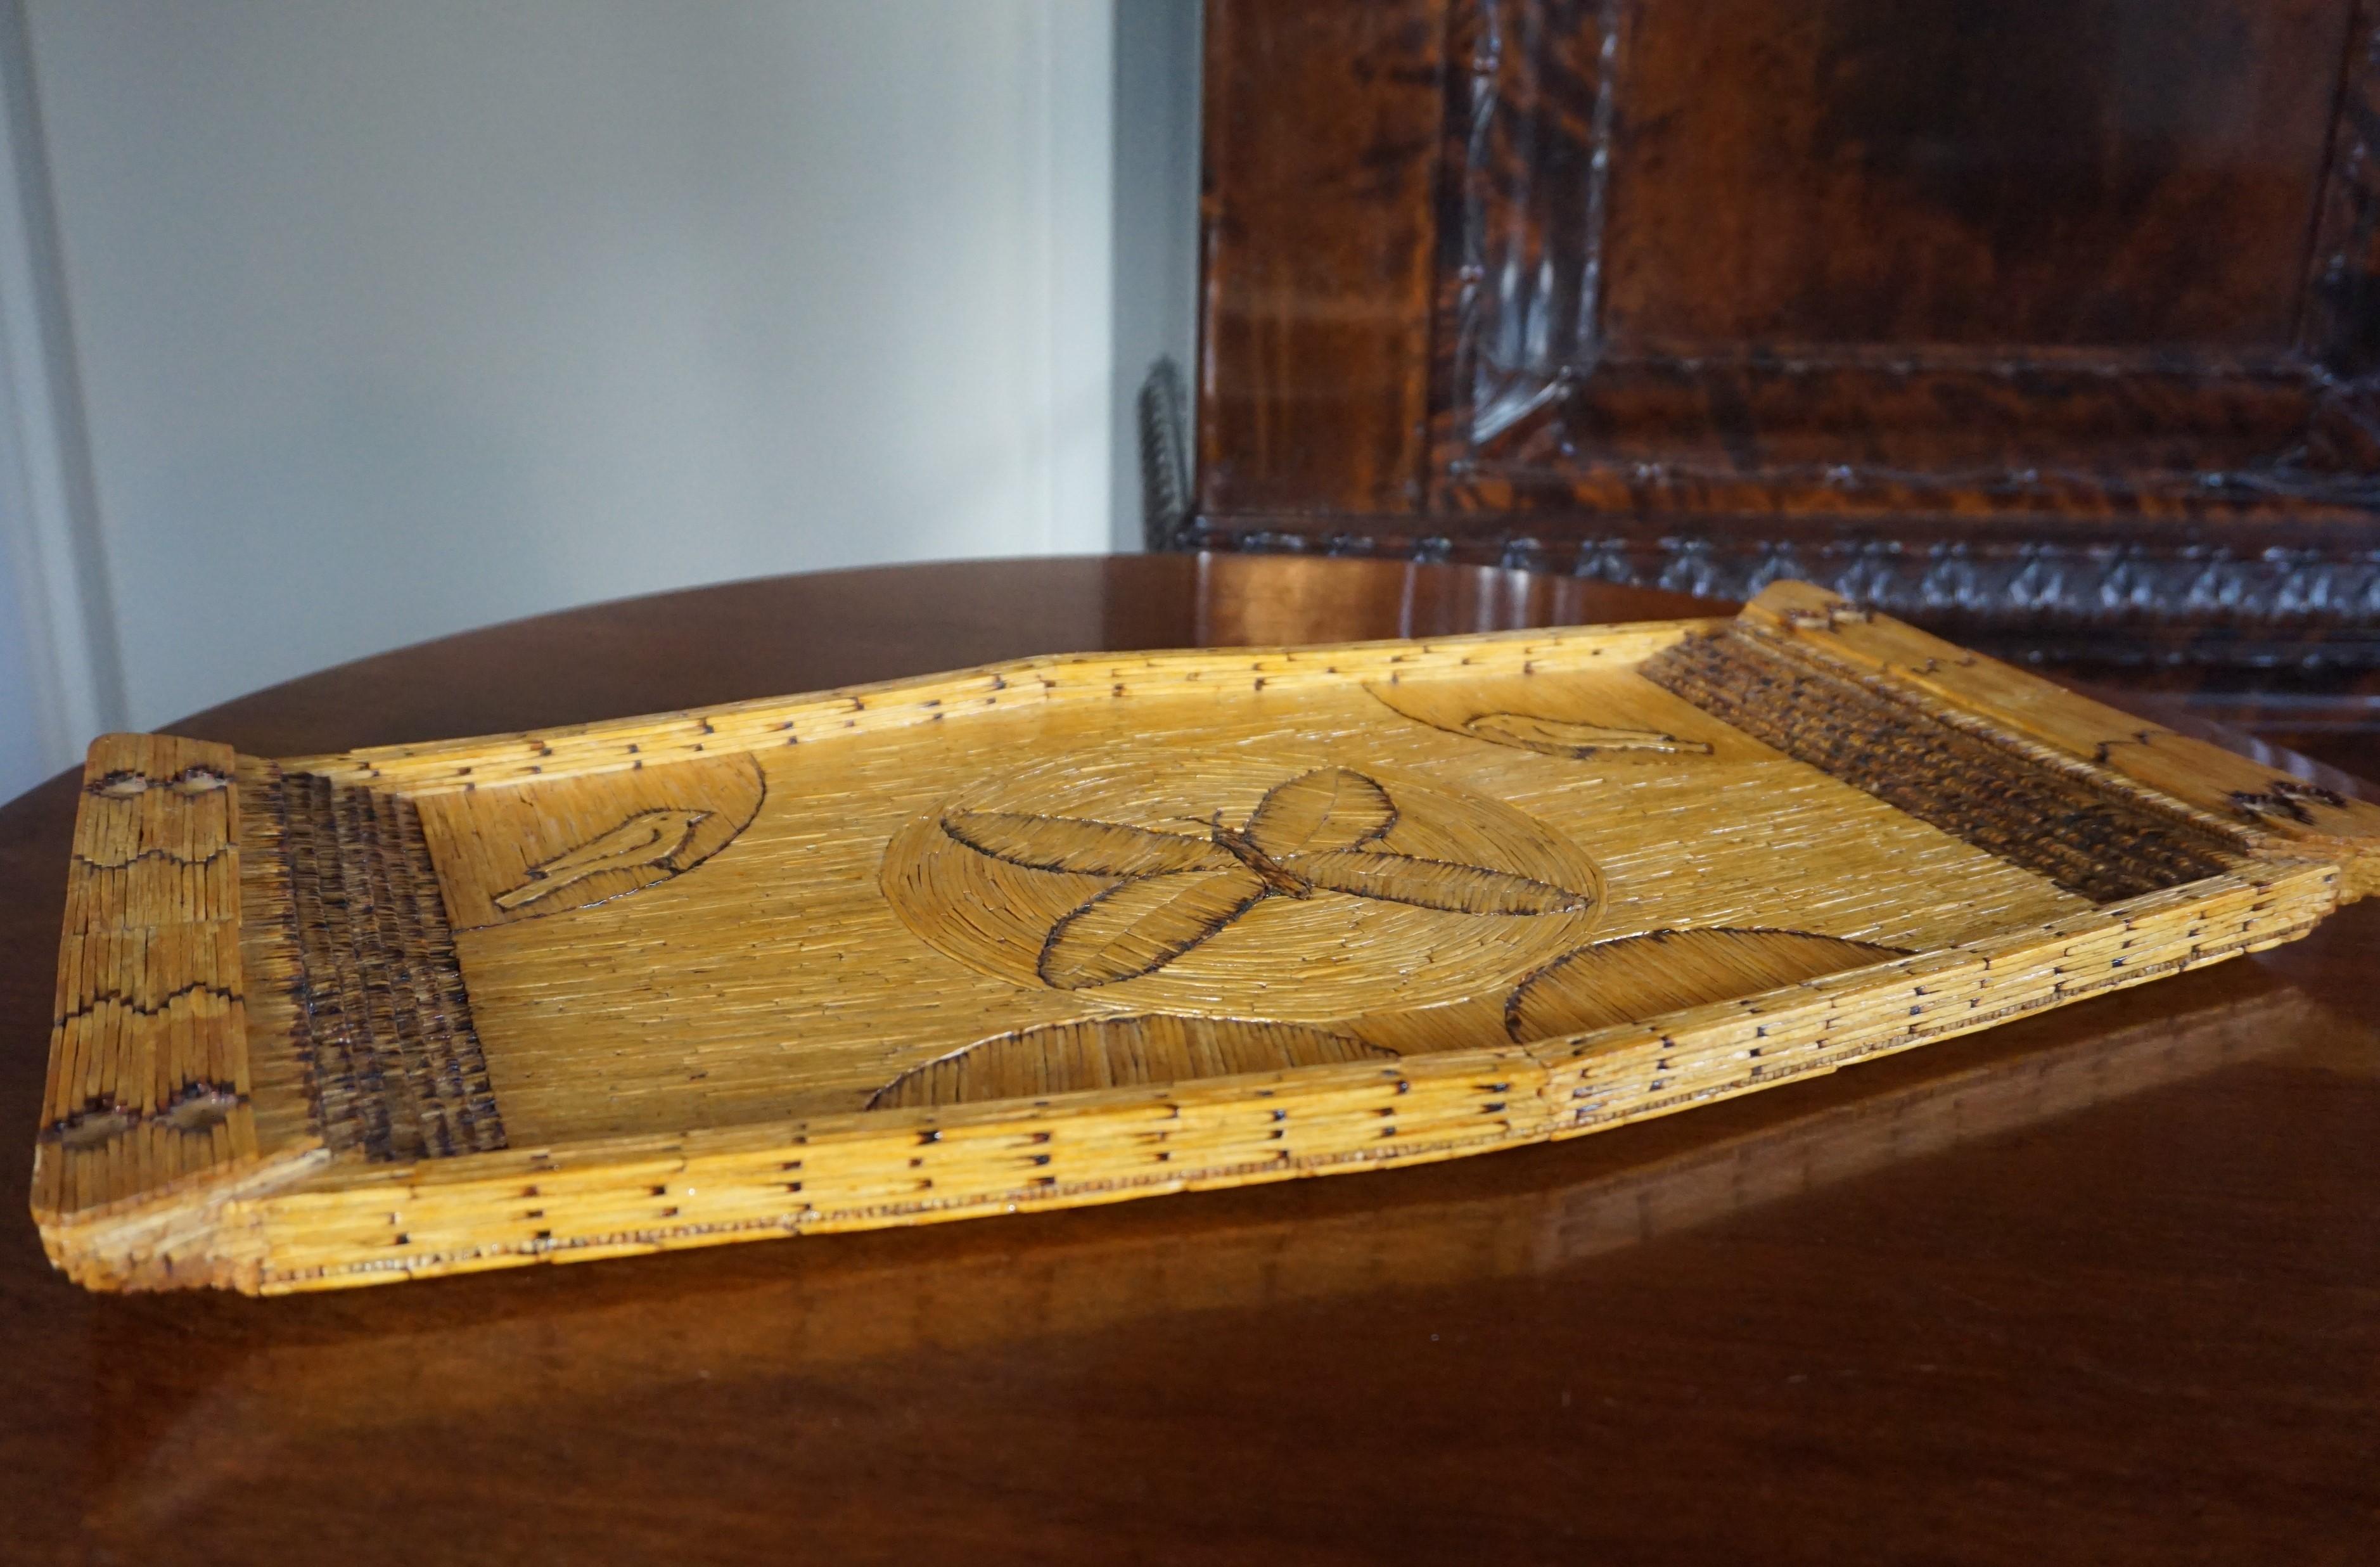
pixel 1076 930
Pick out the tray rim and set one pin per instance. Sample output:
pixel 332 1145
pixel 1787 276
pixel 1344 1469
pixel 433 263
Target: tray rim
pixel 848 712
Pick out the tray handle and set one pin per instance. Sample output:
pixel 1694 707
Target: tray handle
pixel 2295 817
pixel 148 1092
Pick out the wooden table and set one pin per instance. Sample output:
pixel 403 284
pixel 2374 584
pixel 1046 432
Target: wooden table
pixel 2100 1286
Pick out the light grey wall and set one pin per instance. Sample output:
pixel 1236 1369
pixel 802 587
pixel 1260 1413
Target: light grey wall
pixel 395 318
pixel 60 670
pixel 23 759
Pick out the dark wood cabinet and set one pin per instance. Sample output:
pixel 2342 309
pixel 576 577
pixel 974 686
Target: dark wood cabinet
pixel 2052 324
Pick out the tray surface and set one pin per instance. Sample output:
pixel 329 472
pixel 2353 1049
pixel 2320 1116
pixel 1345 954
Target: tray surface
pixel 1090 928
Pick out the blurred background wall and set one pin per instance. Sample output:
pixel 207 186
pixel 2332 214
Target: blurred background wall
pixel 330 325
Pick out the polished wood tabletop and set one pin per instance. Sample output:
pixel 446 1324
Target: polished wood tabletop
pixel 2102 1285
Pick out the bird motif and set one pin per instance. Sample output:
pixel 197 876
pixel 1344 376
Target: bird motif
pixel 648 838
pixel 1318 833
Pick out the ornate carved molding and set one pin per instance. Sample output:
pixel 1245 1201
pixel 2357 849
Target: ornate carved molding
pixel 2308 603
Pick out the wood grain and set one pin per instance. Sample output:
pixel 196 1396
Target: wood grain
pixel 1856 258
pixel 2066 309
pixel 1322 127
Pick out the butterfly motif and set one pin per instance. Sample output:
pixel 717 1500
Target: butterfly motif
pixel 1318 833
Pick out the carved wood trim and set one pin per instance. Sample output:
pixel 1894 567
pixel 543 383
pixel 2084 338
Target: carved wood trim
pixel 2306 596
pixel 2339 313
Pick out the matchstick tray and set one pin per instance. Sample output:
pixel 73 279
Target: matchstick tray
pixel 1083 928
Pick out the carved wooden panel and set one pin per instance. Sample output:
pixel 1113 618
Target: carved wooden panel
pixel 1890 252
pixel 2097 174
pixel 2040 312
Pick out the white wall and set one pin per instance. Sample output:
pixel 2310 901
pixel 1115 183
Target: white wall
pixel 388 320
pixel 23 758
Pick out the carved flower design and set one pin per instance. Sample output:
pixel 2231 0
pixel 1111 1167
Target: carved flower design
pixel 1319 834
